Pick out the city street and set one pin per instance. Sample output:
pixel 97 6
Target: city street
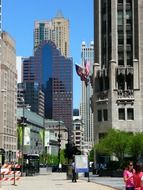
pixel 53 181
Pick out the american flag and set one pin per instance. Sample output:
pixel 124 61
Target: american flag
pixel 81 72
pixel 87 67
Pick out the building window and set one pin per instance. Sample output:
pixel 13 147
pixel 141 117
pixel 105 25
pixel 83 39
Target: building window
pixel 105 115
pixel 120 58
pixel 130 114
pixel 99 115
pixel 120 18
pixel 121 112
pixel 101 136
pixel 77 126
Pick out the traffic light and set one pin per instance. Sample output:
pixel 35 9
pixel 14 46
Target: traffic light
pixel 71 150
pixel 68 151
pixel 75 150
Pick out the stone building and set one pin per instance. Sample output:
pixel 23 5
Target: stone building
pixel 117 79
pixel 8 96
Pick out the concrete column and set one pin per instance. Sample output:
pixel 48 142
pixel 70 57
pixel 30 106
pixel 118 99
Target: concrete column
pixel 136 74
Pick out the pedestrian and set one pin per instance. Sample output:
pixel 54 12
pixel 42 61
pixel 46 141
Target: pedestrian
pixel 128 176
pixel 60 167
pixel 138 177
pixel 73 172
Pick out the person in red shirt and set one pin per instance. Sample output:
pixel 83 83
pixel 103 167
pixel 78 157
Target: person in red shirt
pixel 128 176
pixel 138 177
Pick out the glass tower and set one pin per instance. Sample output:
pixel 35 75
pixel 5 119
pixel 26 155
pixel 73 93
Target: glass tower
pixel 54 73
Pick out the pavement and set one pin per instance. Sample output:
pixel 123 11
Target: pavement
pixel 52 181
pixel 115 182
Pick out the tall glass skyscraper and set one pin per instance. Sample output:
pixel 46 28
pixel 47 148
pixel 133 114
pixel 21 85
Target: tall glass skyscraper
pixel 33 96
pixel 54 73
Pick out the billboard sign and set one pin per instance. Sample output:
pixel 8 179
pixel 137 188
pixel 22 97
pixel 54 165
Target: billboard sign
pixel 81 163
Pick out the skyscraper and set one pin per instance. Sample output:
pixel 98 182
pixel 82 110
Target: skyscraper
pixel 54 74
pixel 8 97
pixel 87 54
pixel 32 95
pixel 118 68
pixel 56 30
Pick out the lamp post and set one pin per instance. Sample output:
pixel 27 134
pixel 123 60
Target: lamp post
pixel 22 146
pixel 59 143
pixel 23 127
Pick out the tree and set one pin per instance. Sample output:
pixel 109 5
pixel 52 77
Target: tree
pixel 136 146
pixel 91 155
pixel 114 143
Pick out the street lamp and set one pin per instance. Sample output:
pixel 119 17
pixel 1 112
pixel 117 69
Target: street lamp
pixel 23 124
pixel 59 143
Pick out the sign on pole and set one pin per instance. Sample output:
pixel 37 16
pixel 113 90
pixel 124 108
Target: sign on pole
pixel 81 163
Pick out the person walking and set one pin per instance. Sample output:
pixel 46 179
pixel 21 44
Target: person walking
pixel 128 176
pixel 60 167
pixel 138 177
pixel 73 172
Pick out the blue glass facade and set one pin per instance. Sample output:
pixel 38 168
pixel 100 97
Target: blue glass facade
pixel 33 96
pixel 54 73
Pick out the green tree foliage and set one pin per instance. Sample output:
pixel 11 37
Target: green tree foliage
pixel 91 155
pixel 62 157
pixel 136 146
pixel 114 143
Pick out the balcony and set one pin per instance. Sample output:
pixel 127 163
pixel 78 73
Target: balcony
pixel 125 96
pixel 102 97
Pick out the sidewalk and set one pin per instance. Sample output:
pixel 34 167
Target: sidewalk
pixel 54 181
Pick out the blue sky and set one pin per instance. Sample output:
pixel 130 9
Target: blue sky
pixel 19 17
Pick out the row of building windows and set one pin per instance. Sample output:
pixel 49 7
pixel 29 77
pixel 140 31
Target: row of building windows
pixel 123 114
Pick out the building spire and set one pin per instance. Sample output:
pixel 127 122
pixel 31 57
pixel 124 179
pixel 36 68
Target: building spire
pixel 59 14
